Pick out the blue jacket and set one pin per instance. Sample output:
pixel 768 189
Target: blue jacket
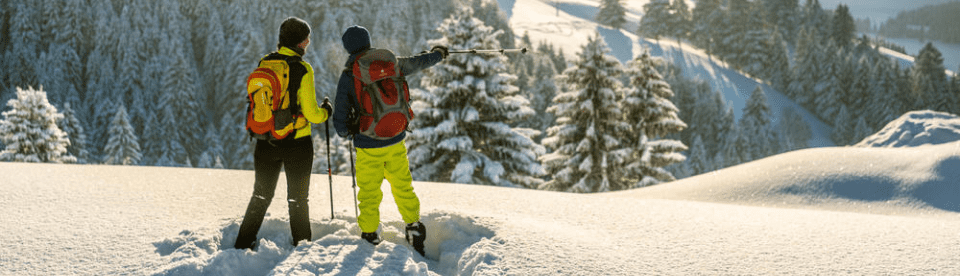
pixel 346 98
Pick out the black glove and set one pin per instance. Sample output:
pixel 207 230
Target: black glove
pixel 353 121
pixel 326 105
pixel 442 49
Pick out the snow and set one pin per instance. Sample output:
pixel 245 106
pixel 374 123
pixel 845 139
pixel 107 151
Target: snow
pixel 916 129
pixel 860 211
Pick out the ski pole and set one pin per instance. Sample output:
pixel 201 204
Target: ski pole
pixel 329 166
pixel 493 51
pixel 353 169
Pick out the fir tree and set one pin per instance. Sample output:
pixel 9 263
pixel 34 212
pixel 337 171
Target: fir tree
pixel 464 129
pixel 123 148
pixel 681 22
pixel 757 125
pixel 860 130
pixel 806 70
pixel 586 139
pixel 735 147
pixel 656 15
pixel 844 28
pixel 778 66
pixel 612 13
pixel 25 44
pixel 882 103
pixel 859 91
pixel 706 16
pixel 74 130
pixel 30 132
pixel 794 132
pixel 828 91
pixel 842 127
pixel 543 89
pixel 178 107
pixel 928 80
pixel 783 15
pixel 699 159
pixel 755 52
pixel 651 116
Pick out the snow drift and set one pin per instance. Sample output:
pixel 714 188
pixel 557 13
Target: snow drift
pixel 828 211
pixel 916 128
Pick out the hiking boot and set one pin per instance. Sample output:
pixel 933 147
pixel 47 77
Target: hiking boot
pixel 416 234
pixel 372 238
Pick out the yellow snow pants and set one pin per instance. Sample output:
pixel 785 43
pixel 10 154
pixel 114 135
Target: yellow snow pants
pixel 375 164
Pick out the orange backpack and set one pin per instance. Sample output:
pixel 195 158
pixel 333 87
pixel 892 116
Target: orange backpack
pixel 273 109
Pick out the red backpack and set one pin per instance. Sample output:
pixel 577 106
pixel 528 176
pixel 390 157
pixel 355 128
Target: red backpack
pixel 382 93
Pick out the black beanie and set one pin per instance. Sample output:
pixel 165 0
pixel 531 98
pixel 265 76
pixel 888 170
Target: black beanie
pixel 293 31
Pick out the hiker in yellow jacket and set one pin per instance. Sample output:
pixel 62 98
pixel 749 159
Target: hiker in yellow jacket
pixel 294 153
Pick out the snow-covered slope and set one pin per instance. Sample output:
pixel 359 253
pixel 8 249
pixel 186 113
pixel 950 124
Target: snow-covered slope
pixel 569 28
pixel 916 128
pixel 817 211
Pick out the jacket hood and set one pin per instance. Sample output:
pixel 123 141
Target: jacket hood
pixel 356 39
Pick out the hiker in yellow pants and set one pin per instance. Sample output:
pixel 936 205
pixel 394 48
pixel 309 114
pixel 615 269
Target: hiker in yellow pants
pixel 390 163
pixel 379 140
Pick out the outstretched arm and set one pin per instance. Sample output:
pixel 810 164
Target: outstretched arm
pixel 412 65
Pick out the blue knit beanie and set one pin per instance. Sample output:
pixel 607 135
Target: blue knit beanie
pixel 356 39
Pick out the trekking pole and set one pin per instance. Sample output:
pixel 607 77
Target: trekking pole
pixel 494 51
pixel 329 166
pixel 353 169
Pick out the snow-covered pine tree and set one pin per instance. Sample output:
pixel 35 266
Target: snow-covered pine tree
pixel 842 127
pixel 681 22
pixel 123 147
pixel 860 92
pixel 25 43
pixel 928 80
pixel 30 132
pixel 844 28
pixel 734 149
pixel 783 15
pixel 733 32
pixel 651 116
pixel 706 16
pixel 778 66
pixel 587 142
pixel 543 89
pixel 756 126
pixel 883 103
pixel 806 70
pixel 60 66
pixel 74 130
pixel 612 13
pixel 827 90
pixel 794 132
pixel 656 15
pixel 100 75
pixel 464 129
pixel 699 160
pixel 178 124
pixel 213 150
pixel 755 55
pixel 860 130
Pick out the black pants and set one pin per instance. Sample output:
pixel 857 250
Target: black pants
pixel 296 157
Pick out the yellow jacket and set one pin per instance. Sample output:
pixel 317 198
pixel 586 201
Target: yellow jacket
pixel 307 98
